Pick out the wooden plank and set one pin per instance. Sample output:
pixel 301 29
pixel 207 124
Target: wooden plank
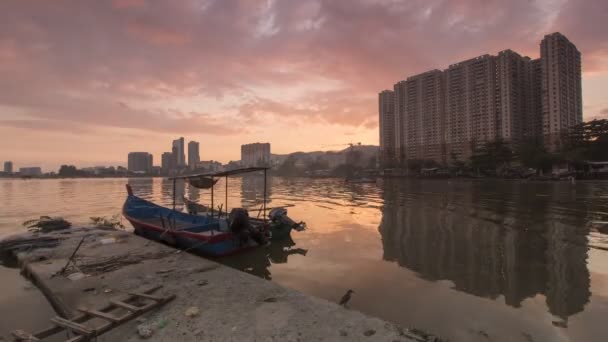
pixel 125 305
pixel 21 335
pixel 100 314
pixel 79 328
pixel 145 295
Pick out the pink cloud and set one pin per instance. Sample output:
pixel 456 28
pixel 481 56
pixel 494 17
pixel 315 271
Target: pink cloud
pixel 87 63
pixel 118 4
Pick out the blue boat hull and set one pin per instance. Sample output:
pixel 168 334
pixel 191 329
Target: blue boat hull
pixel 195 233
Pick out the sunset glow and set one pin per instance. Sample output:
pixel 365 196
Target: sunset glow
pixel 85 82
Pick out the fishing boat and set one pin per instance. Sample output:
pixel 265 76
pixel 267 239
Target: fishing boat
pixel 203 234
pixel 204 229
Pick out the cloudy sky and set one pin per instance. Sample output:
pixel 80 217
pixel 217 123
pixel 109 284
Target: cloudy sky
pixel 86 82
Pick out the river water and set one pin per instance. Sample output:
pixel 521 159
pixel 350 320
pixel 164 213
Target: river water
pixel 466 260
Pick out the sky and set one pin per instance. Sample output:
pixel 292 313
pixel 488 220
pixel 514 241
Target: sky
pixel 86 82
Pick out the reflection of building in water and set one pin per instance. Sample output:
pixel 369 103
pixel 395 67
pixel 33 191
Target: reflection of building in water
pixel 167 191
pixel 252 190
pixel 142 186
pixel 487 247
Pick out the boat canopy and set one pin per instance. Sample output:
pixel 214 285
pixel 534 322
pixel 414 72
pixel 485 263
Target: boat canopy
pixel 206 181
pixel 222 173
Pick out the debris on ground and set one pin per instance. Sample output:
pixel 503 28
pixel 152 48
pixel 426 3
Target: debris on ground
pixel 369 332
pixel 77 276
pixel 20 244
pixel 108 223
pixel 191 311
pixel 270 300
pixel 46 224
pixel 145 330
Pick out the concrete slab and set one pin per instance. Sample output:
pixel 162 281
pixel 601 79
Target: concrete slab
pixel 231 305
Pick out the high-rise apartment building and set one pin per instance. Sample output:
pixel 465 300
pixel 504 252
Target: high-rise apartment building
pixel 470 105
pixel 140 162
pixel 386 103
pixel 445 115
pixel 180 153
pixel 193 154
pixel 561 92
pixel 8 167
pixel 533 120
pixel 400 121
pixel 257 154
pixel 424 116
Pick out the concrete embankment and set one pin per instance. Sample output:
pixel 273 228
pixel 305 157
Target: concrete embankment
pixel 212 302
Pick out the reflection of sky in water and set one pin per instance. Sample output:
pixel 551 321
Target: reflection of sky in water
pixel 463 259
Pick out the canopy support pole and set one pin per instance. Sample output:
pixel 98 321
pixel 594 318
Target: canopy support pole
pixel 212 186
pixel 174 180
pixel 226 202
pixel 264 195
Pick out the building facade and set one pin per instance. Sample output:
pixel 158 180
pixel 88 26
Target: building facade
pixel 140 162
pixel 256 154
pixel 561 91
pixel 8 167
pixel 193 154
pixel 445 115
pixel 386 103
pixel 424 116
pixel 167 162
pixel 30 171
pixel 178 147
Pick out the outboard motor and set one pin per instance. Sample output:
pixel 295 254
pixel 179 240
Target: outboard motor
pixel 240 225
pixel 239 220
pixel 279 215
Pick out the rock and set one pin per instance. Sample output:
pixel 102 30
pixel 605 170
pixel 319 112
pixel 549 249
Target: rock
pixel 270 300
pixel 192 311
pixel 369 332
pixel 144 331
pixel 76 276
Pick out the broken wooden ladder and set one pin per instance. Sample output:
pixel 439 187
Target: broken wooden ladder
pixel 83 332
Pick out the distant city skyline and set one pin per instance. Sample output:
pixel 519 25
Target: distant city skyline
pixel 308 69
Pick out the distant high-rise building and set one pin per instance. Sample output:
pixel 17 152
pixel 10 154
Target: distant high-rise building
pixel 400 122
pixel 533 120
pixel 181 156
pixel 8 167
pixel 386 103
pixel 445 115
pixel 167 162
pixel 561 92
pixel 257 154
pixel 140 162
pixel 30 171
pixel 193 154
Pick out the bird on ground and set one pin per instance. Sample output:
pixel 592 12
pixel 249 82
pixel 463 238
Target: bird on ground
pixel 346 297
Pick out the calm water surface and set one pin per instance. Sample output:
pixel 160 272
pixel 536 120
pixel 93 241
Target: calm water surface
pixel 467 260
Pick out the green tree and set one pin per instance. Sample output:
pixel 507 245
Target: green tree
pixel 491 156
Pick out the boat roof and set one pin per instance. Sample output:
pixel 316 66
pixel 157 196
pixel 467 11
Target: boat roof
pixel 222 173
